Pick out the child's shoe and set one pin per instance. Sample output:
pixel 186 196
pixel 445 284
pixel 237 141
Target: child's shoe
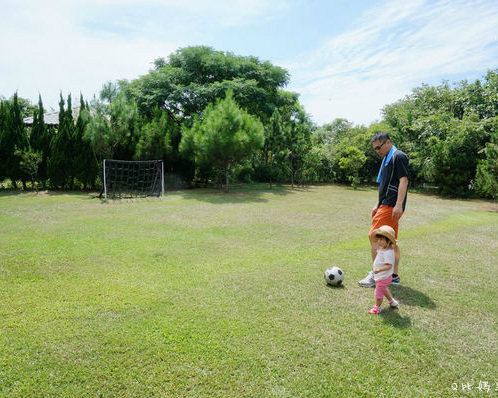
pixel 393 303
pixel 375 310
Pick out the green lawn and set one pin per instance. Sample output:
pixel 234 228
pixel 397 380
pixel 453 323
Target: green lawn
pixel 207 294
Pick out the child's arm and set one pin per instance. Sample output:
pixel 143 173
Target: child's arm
pixel 384 267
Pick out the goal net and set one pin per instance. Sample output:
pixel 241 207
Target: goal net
pixel 132 179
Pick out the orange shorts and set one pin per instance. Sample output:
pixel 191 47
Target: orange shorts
pixel 384 216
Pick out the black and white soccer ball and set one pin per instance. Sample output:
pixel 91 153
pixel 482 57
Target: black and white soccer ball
pixel 334 276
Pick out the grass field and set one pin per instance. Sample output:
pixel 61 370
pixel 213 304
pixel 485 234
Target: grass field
pixel 207 294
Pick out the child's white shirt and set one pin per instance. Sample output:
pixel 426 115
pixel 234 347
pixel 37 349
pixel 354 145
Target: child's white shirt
pixel 384 256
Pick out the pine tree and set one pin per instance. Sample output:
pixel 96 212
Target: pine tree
pixel 224 138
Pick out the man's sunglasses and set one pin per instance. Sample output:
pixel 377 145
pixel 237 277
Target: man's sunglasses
pixel 379 146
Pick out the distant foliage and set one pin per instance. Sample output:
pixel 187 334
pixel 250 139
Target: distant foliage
pixel 180 112
pixel 446 133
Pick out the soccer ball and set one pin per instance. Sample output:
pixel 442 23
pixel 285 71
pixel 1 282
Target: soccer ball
pixel 333 276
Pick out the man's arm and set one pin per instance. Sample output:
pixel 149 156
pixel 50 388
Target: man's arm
pixel 398 208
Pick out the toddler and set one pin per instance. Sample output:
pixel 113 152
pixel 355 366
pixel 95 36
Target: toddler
pixel 383 266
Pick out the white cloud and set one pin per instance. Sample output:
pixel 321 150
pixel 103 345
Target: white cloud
pixel 76 46
pixel 52 55
pixel 396 47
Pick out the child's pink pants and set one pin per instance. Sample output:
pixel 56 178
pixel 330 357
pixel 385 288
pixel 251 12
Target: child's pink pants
pixel 381 287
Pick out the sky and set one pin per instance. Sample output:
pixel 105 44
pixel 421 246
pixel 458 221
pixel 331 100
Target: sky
pixel 346 58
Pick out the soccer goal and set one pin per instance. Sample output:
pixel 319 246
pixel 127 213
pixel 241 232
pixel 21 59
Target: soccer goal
pixel 133 179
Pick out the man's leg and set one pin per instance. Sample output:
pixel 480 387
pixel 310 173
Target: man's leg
pixel 369 281
pixel 397 257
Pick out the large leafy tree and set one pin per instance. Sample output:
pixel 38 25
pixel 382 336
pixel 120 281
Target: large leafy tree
pixel 224 137
pixel 194 77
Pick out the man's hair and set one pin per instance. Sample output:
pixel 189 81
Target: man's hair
pixel 381 136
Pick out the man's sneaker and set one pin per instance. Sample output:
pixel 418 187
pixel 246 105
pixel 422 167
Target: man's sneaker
pixel 375 310
pixel 368 281
pixel 395 281
pixel 393 303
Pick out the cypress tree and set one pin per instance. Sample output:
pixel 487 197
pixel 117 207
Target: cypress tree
pixel 13 138
pixel 4 111
pixel 39 140
pixel 85 162
pixel 60 161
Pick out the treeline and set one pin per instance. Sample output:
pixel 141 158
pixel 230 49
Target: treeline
pixel 214 117
pixel 449 133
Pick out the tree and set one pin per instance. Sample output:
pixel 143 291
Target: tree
pixel 486 181
pixel 453 161
pixel 39 140
pixel 111 129
pixel 347 150
pixel 29 162
pixel 352 162
pixel 12 137
pixel 85 164
pixel 155 137
pixel 224 137
pixel 194 77
pixel 330 133
pixel 60 163
pixel 273 141
pixel 296 140
pixel 4 115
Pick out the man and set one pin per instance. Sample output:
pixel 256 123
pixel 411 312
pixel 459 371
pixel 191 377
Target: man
pixel 393 179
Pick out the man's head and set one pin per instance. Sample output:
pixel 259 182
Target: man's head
pixel 381 143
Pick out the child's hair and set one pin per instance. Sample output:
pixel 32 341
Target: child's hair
pixel 389 243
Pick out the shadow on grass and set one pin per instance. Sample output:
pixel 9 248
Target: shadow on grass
pixel 90 193
pixel 341 286
pixel 238 194
pixel 10 192
pixel 393 318
pixel 412 297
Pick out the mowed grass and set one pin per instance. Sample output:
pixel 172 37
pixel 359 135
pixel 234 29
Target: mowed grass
pixel 207 294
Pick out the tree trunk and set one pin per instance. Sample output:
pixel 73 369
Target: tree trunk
pixel 226 179
pixel 271 169
pixel 34 184
pixel 291 169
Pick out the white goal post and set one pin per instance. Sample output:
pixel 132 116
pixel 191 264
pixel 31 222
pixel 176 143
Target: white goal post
pixel 131 179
